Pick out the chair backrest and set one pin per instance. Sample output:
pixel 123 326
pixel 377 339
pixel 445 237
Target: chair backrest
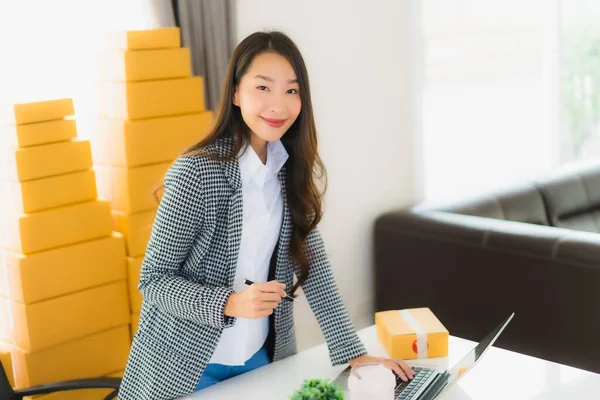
pixel 6 391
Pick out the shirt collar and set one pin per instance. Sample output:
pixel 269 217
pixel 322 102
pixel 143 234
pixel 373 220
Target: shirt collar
pixel 277 156
pixel 251 167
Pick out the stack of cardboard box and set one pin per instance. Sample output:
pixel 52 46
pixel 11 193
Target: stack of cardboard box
pixel 63 289
pixel 152 109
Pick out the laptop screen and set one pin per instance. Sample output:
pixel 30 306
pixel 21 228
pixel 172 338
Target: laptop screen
pixel 467 362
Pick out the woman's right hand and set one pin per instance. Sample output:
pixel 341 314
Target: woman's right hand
pixel 257 301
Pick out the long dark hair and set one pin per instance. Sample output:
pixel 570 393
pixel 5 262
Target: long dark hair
pixel 305 173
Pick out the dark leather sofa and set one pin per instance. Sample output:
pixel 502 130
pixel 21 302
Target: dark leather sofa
pixel 532 249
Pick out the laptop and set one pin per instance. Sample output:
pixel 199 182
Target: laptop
pixel 428 384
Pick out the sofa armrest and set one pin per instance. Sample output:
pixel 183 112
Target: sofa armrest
pixel 437 224
pixel 580 247
pixel 536 240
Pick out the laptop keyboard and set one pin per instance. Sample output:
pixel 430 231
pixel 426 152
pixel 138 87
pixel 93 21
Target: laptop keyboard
pixel 407 390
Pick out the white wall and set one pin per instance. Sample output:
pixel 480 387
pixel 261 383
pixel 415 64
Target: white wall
pixel 362 70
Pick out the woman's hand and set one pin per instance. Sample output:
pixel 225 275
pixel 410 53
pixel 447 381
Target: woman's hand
pixel 401 368
pixel 257 301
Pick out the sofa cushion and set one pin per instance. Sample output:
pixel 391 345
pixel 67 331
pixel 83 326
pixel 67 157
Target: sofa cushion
pixel 572 199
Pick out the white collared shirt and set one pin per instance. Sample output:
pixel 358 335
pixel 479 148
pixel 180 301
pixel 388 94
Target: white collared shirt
pixel 262 218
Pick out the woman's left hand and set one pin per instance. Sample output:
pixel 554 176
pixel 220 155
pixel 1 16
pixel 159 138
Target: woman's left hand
pixel 401 368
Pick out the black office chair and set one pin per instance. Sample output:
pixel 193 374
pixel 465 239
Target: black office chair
pixel 8 393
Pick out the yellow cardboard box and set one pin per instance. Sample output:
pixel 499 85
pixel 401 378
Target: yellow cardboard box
pixel 135 297
pixel 144 65
pixel 148 99
pixel 38 111
pixel 58 320
pixel 6 361
pixel 5 327
pixel 136 227
pixel 52 273
pixel 46 193
pixel 26 163
pixel 95 355
pixel 412 333
pixel 45 230
pixel 37 133
pixel 160 38
pixel 126 143
pixel 130 189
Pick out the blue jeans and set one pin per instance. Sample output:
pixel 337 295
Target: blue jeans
pixel 215 373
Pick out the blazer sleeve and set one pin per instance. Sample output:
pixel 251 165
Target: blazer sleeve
pixel 322 294
pixel 177 224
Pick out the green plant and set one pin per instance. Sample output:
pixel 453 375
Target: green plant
pixel 318 389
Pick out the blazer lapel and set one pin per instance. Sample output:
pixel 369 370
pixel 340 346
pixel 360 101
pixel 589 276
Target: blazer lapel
pixel 285 233
pixel 231 169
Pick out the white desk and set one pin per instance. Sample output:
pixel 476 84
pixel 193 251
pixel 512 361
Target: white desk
pixel 500 374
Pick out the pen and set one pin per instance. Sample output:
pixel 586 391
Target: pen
pixel 288 297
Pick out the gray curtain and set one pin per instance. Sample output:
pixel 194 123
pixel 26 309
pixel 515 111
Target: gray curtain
pixel 207 29
pixel 159 13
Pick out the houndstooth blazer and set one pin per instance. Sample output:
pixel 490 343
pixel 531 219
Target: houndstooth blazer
pixel 187 276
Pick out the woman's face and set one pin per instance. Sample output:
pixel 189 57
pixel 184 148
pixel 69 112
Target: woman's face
pixel 268 96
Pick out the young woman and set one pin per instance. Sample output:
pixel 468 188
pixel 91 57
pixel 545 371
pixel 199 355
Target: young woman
pixel 244 203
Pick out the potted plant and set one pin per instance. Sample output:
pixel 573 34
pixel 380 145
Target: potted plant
pixel 318 389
